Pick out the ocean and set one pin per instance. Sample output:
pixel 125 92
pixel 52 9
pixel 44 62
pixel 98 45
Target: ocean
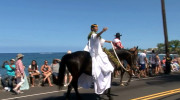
pixel 39 57
pixel 28 57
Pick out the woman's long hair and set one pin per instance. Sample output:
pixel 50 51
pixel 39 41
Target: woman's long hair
pixel 34 66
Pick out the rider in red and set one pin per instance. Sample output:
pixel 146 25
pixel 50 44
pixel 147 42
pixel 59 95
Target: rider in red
pixel 117 42
pixel 117 46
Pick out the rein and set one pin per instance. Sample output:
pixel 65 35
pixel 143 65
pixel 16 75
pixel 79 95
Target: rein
pixel 118 58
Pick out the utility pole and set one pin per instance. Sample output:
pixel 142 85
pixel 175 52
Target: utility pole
pixel 168 68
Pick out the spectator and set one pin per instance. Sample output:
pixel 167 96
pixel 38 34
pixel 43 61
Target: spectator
pixel 19 73
pixel 46 70
pixel 163 63
pixel 175 65
pixel 149 67
pixel 10 67
pixel 33 71
pixel 178 60
pixel 153 62
pixel 168 64
pixel 55 68
pixel 25 85
pixel 142 62
pixel 158 64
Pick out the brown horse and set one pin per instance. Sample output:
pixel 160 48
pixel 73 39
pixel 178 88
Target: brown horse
pixel 130 56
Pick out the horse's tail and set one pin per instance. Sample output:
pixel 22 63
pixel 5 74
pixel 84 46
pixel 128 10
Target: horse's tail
pixel 62 70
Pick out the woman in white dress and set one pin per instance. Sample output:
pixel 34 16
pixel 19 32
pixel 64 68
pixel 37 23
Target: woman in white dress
pixel 101 66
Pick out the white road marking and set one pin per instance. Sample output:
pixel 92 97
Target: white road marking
pixel 36 94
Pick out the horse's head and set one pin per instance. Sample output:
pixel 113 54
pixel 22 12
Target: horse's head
pixel 134 52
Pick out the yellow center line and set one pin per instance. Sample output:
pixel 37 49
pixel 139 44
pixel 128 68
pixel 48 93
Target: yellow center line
pixel 158 94
pixel 163 95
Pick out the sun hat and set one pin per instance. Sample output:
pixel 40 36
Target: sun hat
pixel 19 55
pixel 118 35
pixel 69 52
pixel 12 60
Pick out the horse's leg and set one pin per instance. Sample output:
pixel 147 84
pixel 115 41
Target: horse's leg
pixel 109 94
pixel 75 86
pixel 68 91
pixel 130 64
pixel 130 76
pixel 121 78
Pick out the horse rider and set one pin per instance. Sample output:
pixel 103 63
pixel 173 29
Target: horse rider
pixel 117 42
pixel 101 66
pixel 117 46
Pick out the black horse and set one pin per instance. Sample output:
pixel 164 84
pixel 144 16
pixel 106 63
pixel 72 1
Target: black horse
pixel 77 63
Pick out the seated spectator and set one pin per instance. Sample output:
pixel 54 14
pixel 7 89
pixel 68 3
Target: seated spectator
pixel 33 71
pixel 178 60
pixel 55 68
pixel 46 71
pixel 10 67
pixel 175 66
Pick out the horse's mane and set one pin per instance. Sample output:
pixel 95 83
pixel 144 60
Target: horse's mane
pixel 123 51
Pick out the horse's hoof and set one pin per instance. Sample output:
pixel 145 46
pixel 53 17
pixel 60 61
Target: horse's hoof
pixel 127 84
pixel 122 84
pixel 102 97
pixel 98 98
pixel 110 98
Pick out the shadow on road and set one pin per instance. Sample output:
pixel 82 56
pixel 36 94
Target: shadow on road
pixel 115 84
pixel 85 96
pixel 73 97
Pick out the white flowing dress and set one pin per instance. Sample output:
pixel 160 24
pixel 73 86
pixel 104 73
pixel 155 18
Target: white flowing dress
pixel 101 67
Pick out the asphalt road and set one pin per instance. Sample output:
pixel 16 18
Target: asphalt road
pixel 164 87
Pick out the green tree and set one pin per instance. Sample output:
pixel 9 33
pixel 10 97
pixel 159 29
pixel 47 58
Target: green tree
pixel 174 46
pixel 161 47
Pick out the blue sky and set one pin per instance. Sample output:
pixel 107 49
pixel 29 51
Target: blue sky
pixel 61 25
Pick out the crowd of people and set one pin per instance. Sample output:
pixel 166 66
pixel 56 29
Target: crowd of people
pixel 15 78
pixel 154 65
